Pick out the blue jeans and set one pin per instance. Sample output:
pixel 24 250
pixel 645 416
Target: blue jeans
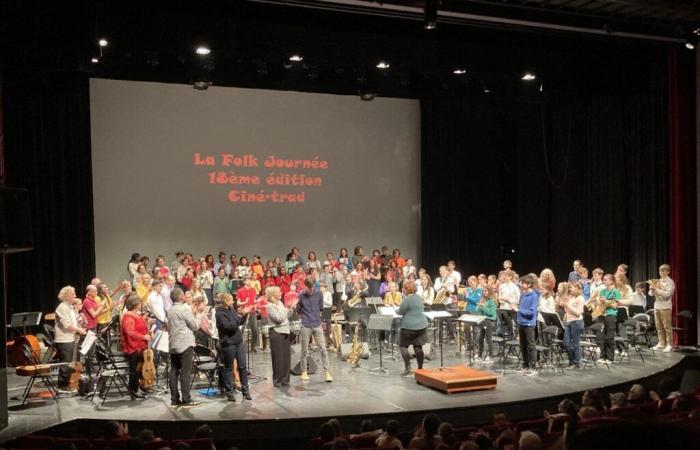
pixel 572 340
pixel 237 352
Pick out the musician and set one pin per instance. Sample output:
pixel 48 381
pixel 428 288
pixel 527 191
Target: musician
pixel 64 332
pixel 374 277
pixel 230 322
pixel 155 304
pixel 135 339
pixel 596 283
pixel 508 300
pixel 143 288
pixel 105 303
pixel 181 328
pixel 474 294
pixel 575 275
pixel 639 298
pixel 574 326
pixel 393 296
pixel 91 310
pixel 663 291
pixel 611 296
pixel 247 295
pixel 428 293
pixel 413 327
pixel 309 309
pixel 452 273
pixel 527 320
pixel 279 336
pixel 444 285
pixel 486 307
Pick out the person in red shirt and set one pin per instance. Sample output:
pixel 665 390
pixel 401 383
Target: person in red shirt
pixel 247 295
pixel 283 280
pixel 291 298
pixel 268 280
pixel 135 339
pixel 299 277
pixel 187 278
pixel 90 308
pixel 400 261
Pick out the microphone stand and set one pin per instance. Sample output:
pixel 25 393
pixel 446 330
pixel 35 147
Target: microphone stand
pixel 252 378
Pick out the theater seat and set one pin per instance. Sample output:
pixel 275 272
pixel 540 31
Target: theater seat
pixel 155 445
pixel 80 443
pixel 196 444
pixel 31 442
pixel 538 426
pixel 114 444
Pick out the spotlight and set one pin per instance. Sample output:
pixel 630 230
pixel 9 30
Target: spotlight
pixel 367 95
pixel 459 71
pixel 689 45
pixel 103 42
pixel 383 65
pixel 528 76
pixel 201 50
pixel 487 90
pixel 95 60
pixel 430 11
pixel 296 58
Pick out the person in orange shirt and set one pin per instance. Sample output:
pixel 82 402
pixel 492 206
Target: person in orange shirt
pixel 257 266
pixel 400 262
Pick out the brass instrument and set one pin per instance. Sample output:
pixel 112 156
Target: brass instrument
pixel 599 305
pixel 441 295
pixel 336 334
pixel 355 300
pixel 653 283
pixel 356 350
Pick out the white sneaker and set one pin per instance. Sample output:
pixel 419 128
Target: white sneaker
pixel 668 349
pixel 658 347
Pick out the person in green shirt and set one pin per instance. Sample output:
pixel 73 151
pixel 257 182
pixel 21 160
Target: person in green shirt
pixel 413 326
pixel 487 308
pixel 611 297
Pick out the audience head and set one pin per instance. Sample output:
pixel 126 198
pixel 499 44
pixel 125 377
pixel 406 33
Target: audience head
pixel 326 432
pixel 391 427
pixel 367 425
pixel 177 295
pixel 430 425
pixel 618 400
pixel 637 394
pixel 66 294
pixel 529 441
pixel 132 302
pixel 593 398
pixel 337 430
pixel 588 412
pixel 147 435
pixel 203 431
pixel 446 432
pixel 566 406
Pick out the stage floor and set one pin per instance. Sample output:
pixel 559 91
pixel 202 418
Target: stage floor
pixel 359 393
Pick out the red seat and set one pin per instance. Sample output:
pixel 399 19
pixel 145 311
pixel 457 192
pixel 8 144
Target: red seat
pixel 156 444
pixel 462 433
pixel 665 406
pixel 315 443
pixel 492 430
pixel 196 444
pixel 548 439
pixel 648 409
pixel 31 442
pixel 627 411
pixel 362 441
pixel 114 444
pixel 80 443
pixel 538 426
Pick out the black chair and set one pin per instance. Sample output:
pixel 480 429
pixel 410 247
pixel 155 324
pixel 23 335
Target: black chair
pixel 590 342
pixel 683 318
pixel 207 364
pixel 112 372
pixel 550 349
pixel 643 332
pixel 38 372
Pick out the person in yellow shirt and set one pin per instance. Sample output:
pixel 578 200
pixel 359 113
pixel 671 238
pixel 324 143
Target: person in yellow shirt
pixel 393 296
pixel 143 288
pixel 105 303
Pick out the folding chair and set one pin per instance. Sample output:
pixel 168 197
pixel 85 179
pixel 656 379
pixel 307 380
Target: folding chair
pixel 549 350
pixel 110 373
pixel 643 329
pixel 207 365
pixel 37 371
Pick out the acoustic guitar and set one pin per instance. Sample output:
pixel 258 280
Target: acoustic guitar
pixel 76 366
pixel 147 369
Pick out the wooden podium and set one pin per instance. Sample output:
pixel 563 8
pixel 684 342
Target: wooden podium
pixel 456 379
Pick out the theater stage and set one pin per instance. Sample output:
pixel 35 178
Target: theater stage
pixel 354 396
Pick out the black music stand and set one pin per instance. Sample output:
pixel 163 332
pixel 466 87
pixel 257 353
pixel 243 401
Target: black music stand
pixel 379 322
pixel 24 320
pixel 470 320
pixel 553 319
pixel 374 302
pixel 432 315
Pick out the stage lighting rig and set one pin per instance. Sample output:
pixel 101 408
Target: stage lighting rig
pixel 430 14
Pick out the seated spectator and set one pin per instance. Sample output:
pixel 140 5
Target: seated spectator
pixel 618 400
pixel 637 395
pixel 507 438
pixel 388 437
pixel 368 429
pixel 594 398
pixel 341 444
pixel 337 431
pixel 501 423
pixel 680 405
pixel 483 442
pixel 565 408
pixel 447 434
pixel 426 437
pixel 326 434
pixel 622 435
pixel 469 445
pixel 116 430
pixel 529 441
pixel 204 432
pixel 147 435
pixel 664 388
pixel 588 412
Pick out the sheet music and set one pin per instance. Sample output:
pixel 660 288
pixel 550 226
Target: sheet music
pixel 163 342
pixel 88 342
pixel 388 311
pixel 471 318
pixel 436 314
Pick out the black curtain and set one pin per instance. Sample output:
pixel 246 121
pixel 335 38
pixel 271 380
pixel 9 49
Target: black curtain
pixel 552 175
pixel 47 150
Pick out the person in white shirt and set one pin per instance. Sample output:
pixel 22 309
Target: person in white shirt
pixel 663 291
pixel 222 263
pixel 155 303
pixel 444 286
pixel 639 298
pixel 427 291
pixel 452 273
pixel 508 300
pixel 165 291
pixel 65 331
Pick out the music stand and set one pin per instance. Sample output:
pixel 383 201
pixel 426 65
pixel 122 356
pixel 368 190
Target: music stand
pixel 358 314
pixel 470 320
pixel 25 319
pixel 390 311
pixel 432 315
pixel 379 322
pixel 374 302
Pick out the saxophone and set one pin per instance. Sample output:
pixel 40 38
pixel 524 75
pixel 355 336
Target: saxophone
pixel 336 334
pixel 356 351
pixel 440 296
pixel 355 300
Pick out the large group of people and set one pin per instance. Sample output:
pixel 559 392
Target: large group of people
pixel 212 303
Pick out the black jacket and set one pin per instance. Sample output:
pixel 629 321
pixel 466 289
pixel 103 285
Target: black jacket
pixel 230 326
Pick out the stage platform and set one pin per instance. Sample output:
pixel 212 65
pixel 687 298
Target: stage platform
pixel 299 409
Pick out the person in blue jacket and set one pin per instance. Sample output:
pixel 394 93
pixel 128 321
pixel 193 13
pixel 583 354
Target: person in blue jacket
pixel 527 322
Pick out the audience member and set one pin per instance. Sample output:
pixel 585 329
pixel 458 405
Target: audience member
pixel 388 437
pixel 637 395
pixel 426 437
pixel 618 400
pixel 529 441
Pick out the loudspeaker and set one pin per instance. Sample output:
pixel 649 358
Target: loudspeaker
pixel 426 351
pixel 15 221
pixel 346 349
pixel 295 365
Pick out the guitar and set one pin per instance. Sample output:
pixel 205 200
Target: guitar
pixel 76 366
pixel 147 369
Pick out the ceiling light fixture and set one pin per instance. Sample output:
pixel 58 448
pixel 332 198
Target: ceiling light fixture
pixel 95 60
pixel 689 45
pixel 103 42
pixel 296 58
pixel 459 71
pixel 528 76
pixel 202 50
pixel 430 14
